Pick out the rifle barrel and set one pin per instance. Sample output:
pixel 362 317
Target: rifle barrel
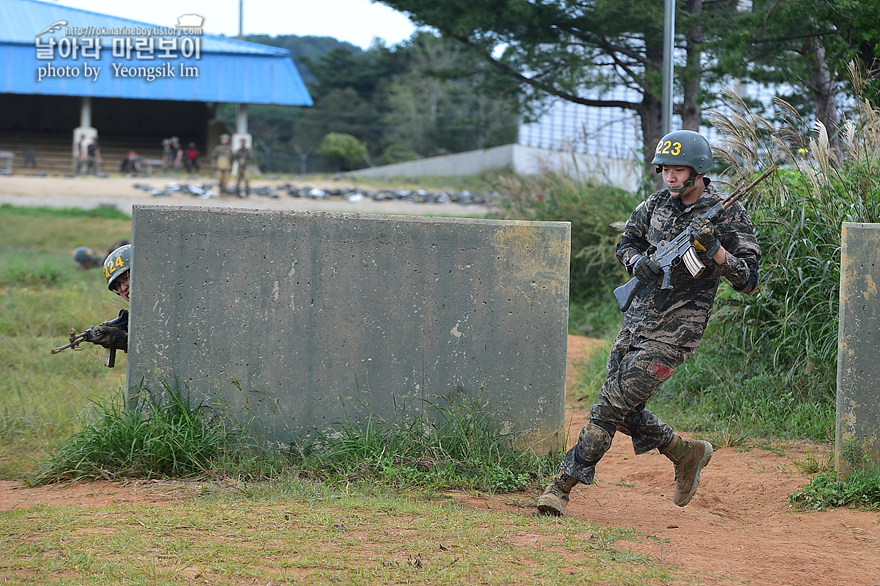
pixel 74 342
pixel 741 191
pixel 65 347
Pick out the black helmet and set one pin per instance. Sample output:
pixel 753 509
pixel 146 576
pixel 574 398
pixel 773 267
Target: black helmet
pixel 86 257
pixel 684 147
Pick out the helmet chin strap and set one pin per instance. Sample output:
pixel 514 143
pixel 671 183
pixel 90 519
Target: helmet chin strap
pixel 691 181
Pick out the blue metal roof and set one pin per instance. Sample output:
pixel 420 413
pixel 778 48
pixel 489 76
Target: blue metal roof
pixel 57 50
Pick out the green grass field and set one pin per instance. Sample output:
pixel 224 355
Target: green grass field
pixel 44 295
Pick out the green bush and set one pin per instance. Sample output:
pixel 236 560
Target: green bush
pixel 784 336
pixel 343 148
pixel 597 213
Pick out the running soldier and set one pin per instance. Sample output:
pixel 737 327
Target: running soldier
pixel 662 326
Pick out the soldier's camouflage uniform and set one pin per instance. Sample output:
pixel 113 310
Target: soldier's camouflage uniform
pixel 661 328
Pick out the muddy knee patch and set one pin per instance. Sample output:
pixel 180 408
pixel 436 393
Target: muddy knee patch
pixel 593 442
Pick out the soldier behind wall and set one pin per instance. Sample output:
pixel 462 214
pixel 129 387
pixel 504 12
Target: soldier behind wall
pixel 221 159
pixel 243 157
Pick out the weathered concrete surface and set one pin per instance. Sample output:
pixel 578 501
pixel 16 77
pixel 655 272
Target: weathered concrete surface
pixel 858 368
pixel 302 320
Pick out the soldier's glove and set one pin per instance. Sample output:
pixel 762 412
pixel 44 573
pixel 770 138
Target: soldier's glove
pixel 108 337
pixel 703 233
pixel 645 269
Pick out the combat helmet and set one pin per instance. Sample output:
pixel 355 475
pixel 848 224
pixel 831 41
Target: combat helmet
pixel 86 257
pixel 116 263
pixel 684 147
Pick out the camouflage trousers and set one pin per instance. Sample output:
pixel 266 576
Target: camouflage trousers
pixel 636 368
pixel 222 178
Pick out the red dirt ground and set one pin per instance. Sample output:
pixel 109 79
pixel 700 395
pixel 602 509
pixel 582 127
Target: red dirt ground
pixel 738 529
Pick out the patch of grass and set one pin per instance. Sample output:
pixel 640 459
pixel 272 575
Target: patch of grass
pixel 857 486
pixel 165 435
pixel 21 269
pixel 460 447
pixel 721 388
pixel 109 212
pixel 294 531
pixel 595 317
pixel 728 437
pixel 58 231
pixel 160 436
pixel 812 464
pixel 41 395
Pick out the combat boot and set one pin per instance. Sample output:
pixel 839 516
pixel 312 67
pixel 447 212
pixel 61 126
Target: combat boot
pixel 689 457
pixel 555 498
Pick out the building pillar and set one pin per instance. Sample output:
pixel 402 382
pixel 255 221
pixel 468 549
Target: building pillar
pixel 83 135
pixel 241 127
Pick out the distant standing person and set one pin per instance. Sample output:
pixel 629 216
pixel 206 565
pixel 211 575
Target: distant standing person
pixel 93 155
pixel 167 155
pixel 191 158
pixel 243 158
pixel 177 153
pixel 82 157
pixel 221 159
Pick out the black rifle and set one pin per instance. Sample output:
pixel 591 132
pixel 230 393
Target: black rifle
pixel 121 321
pixel 681 248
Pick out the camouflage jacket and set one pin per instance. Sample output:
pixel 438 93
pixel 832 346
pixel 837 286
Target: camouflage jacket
pixel 243 157
pixel 222 156
pixel 679 315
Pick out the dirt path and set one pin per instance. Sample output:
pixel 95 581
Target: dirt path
pixel 739 528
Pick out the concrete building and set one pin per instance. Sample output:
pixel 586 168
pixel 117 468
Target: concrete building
pixel 70 76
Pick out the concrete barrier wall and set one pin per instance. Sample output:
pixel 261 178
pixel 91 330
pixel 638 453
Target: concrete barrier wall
pixel 858 370
pixel 301 320
pixel 622 173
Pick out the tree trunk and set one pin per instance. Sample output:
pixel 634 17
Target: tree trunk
pixel 651 119
pixel 822 88
pixel 691 112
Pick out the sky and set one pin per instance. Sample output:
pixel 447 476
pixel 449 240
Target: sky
pixel 357 21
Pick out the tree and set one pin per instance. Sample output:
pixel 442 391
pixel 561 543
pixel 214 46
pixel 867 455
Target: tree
pixel 784 43
pixel 811 43
pixel 578 50
pixel 344 149
pixel 573 50
pixel 422 97
pixel 439 104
